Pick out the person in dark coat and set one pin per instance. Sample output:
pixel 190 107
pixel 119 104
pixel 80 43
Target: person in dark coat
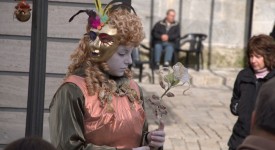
pixel 261 57
pixel 165 36
pixel 263 121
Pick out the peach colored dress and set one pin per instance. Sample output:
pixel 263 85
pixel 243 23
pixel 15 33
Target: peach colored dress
pixel 121 129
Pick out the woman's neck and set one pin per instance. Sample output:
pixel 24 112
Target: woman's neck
pixel 119 80
pixel 261 73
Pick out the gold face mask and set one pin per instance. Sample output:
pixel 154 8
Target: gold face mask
pixel 103 43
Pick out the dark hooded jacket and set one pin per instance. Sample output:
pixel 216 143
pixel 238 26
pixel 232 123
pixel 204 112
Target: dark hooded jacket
pixel 161 28
pixel 245 91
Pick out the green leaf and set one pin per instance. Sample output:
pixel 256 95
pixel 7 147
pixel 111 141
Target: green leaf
pixel 169 78
pixel 175 81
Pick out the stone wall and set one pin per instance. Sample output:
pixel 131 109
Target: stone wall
pixel 228 24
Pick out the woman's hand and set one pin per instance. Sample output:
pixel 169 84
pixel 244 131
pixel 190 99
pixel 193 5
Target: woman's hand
pixel 156 138
pixel 142 148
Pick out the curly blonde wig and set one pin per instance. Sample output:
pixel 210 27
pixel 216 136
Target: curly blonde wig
pixel 129 27
pixel 130 33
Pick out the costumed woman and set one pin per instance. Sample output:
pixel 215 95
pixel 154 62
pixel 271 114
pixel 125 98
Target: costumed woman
pixel 99 106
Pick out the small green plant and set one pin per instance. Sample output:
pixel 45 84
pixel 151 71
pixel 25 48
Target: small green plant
pixel 169 78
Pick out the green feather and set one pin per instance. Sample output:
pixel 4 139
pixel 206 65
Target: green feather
pixel 104 18
pixel 98 6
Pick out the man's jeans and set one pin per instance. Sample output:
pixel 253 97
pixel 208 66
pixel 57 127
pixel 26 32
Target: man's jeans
pixel 167 47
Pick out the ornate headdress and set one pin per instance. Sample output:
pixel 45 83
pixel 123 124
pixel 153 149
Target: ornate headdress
pixel 103 37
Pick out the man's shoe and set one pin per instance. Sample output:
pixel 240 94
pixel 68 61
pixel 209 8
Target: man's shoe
pixel 166 64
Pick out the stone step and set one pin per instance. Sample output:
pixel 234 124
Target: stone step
pixel 202 78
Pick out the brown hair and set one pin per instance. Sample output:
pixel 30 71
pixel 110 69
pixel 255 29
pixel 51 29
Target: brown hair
pixel 263 45
pixel 170 10
pixel 130 32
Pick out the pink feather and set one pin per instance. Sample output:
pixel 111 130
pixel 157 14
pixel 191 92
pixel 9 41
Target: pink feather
pixel 94 22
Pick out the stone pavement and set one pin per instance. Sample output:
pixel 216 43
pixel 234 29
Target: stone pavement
pixel 199 119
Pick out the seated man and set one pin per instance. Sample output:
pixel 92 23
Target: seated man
pixel 165 35
pixel 263 121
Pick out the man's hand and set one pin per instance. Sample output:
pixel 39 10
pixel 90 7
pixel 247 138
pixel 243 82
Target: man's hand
pixel 164 37
pixel 156 138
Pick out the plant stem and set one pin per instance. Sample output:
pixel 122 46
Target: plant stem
pixel 165 92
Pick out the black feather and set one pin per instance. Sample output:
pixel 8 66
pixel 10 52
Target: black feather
pixel 123 3
pixel 90 13
pixel 80 11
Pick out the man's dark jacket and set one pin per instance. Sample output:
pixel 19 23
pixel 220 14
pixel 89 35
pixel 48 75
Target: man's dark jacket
pixel 242 103
pixel 160 28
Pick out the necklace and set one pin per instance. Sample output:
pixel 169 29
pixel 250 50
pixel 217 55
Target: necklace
pixel 121 89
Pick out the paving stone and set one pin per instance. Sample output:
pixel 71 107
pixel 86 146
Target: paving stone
pixel 168 145
pixel 208 144
pixel 178 144
pixel 194 145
